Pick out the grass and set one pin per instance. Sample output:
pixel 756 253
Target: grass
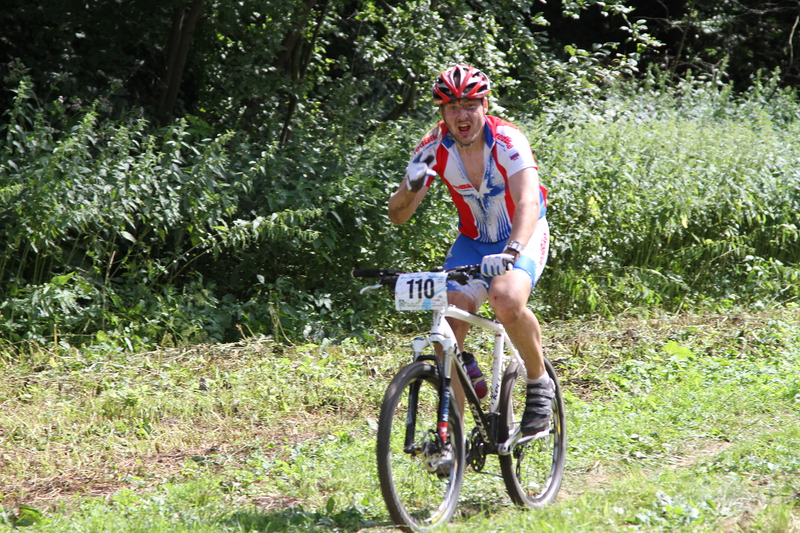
pixel 675 423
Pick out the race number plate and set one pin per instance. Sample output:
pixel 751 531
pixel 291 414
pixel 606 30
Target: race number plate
pixel 421 291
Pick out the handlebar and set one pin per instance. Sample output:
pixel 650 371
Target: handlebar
pixel 388 277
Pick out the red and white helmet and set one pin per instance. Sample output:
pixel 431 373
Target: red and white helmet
pixel 460 81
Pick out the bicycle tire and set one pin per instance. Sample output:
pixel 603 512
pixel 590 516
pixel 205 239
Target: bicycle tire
pixel 417 499
pixel 533 471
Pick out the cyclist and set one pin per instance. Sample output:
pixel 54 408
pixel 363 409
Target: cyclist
pixel 489 168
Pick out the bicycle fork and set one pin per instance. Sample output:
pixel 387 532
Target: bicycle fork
pixel 411 419
pixel 443 411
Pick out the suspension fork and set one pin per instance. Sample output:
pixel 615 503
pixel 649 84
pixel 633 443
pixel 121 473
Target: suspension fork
pixel 417 346
pixel 411 417
pixel 443 409
pixel 440 334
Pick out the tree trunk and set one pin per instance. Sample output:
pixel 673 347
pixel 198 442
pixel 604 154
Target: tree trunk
pixel 292 39
pixel 183 27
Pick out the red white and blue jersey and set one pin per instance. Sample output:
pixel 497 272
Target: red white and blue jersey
pixel 484 214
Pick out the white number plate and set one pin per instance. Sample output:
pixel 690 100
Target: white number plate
pixel 421 291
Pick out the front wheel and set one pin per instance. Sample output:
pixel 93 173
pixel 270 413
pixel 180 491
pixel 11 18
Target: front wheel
pixel 420 480
pixel 533 470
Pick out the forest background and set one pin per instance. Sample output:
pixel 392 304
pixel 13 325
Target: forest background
pixel 189 171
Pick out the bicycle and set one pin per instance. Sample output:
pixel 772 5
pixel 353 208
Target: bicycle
pixel 422 452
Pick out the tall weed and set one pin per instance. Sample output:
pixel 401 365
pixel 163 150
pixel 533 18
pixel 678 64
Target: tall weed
pixel 673 198
pixel 109 226
pixel 116 233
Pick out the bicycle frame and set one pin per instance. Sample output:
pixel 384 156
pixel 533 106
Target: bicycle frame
pixel 442 334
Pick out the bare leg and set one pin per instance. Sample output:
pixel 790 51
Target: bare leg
pixel 508 296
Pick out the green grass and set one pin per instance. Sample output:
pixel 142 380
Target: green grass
pixel 675 423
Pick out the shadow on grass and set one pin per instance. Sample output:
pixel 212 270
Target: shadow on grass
pixel 297 519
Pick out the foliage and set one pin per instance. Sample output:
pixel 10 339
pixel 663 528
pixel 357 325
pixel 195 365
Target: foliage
pixel 245 215
pixel 657 202
pixel 79 51
pixel 726 39
pixel 104 223
pixel 117 234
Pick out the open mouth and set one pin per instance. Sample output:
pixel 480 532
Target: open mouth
pixel 463 128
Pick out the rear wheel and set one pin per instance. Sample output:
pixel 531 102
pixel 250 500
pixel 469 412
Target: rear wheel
pixel 420 479
pixel 533 470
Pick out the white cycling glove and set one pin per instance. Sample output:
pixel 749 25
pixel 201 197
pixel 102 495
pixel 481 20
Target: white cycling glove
pixel 496 265
pixel 417 173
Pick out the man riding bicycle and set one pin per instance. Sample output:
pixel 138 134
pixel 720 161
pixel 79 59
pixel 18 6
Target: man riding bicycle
pixel 490 171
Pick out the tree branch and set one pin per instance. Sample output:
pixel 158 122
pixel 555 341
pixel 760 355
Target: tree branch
pixel 299 68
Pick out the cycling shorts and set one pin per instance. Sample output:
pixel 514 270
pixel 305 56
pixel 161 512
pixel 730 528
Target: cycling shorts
pixel 466 251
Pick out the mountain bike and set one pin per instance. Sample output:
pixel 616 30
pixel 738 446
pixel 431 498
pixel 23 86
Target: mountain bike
pixel 422 449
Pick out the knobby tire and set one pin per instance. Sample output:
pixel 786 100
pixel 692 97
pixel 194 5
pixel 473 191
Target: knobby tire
pixel 533 471
pixel 417 499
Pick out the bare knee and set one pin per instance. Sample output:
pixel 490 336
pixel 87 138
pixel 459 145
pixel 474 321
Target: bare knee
pixel 507 310
pixel 508 306
pixel 508 296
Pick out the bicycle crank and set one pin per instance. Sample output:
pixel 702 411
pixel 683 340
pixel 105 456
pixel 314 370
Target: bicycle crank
pixel 476 451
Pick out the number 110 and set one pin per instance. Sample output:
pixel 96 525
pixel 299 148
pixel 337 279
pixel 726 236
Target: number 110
pixel 424 289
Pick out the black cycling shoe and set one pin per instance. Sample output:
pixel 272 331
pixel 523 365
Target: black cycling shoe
pixel 538 408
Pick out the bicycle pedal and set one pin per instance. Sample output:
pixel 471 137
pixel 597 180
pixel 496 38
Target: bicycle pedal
pixel 540 434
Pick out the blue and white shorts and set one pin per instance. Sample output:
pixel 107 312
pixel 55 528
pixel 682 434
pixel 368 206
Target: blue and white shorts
pixel 466 251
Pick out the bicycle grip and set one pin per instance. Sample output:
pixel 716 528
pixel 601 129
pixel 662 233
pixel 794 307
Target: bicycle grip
pixel 367 273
